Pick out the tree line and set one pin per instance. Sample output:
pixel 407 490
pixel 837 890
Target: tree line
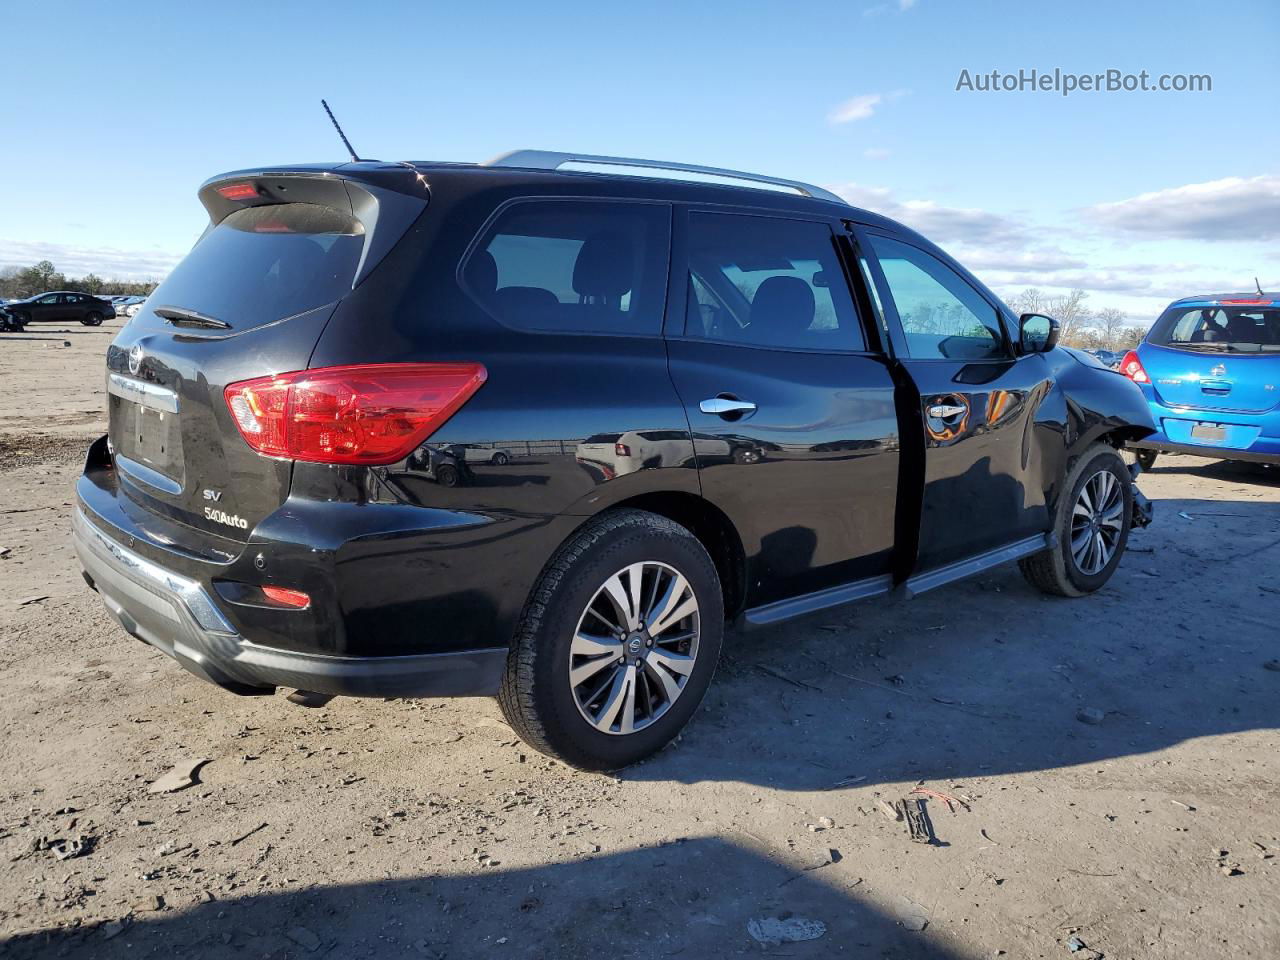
pixel 17 283
pixel 1105 329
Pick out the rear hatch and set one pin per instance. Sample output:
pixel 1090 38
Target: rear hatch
pixel 1220 355
pixel 282 249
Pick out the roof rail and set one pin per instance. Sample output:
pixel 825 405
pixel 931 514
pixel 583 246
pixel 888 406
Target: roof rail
pixel 628 166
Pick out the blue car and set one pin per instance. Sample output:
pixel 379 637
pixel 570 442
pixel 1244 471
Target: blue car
pixel 1210 370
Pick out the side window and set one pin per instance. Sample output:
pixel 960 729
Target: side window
pixel 768 282
pixel 49 299
pixel 591 266
pixel 942 316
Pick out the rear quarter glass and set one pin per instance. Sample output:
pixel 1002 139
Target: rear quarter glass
pixel 264 263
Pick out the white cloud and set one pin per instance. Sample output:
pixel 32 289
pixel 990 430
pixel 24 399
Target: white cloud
pixel 1011 252
pixel 1042 260
pixel 861 107
pixel 75 261
pixel 1245 209
pixel 880 8
pixel 940 223
pixel 856 108
pixel 876 153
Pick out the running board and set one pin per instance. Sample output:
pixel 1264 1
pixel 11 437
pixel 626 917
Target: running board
pixel 968 567
pixel 789 609
pixel 781 610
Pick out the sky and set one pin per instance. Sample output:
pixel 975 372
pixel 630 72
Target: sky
pixel 1135 197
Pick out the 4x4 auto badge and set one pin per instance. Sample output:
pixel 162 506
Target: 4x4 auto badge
pixel 135 358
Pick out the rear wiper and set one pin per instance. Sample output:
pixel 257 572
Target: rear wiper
pixel 182 317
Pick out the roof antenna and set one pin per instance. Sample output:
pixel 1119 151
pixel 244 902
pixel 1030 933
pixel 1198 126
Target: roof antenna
pixel 1259 286
pixel 345 142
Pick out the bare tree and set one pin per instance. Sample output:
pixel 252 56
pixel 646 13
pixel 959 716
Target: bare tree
pixel 1110 323
pixel 1029 300
pixel 1130 337
pixel 1070 312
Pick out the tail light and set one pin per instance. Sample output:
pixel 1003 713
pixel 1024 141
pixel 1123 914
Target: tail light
pixel 1132 368
pixel 370 415
pixel 294 599
pixel 621 450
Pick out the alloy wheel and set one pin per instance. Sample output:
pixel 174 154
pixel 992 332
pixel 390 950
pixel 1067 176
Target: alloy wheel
pixel 1097 520
pixel 634 648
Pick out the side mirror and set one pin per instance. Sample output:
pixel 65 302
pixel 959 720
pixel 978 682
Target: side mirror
pixel 1038 333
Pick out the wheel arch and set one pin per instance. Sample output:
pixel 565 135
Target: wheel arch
pixel 714 530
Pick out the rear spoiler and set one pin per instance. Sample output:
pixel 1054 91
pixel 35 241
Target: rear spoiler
pixel 385 199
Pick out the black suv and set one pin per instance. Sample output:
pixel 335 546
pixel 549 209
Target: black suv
pixel 59 306
pixel 719 398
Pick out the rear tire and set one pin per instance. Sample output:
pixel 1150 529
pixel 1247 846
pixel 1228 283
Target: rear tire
pixel 92 319
pixel 500 459
pixel 1094 516
pixel 559 635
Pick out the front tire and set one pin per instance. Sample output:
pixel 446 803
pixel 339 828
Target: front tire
pixel 617 644
pixel 1094 516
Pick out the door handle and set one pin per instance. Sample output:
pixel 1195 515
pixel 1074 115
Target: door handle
pixel 945 411
pixel 724 406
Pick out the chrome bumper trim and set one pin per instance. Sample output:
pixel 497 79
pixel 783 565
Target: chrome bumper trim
pixel 188 592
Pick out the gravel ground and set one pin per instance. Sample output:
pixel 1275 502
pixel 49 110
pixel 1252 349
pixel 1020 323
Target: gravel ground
pixel 427 829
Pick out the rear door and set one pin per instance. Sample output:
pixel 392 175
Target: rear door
pixel 75 306
pixel 250 300
pixel 985 483
pixel 792 412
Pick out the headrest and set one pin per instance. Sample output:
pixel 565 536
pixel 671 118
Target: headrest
pixel 1242 329
pixel 533 300
pixel 783 305
pixel 605 266
pixel 482 273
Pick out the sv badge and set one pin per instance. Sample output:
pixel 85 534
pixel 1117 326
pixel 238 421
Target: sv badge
pixel 214 495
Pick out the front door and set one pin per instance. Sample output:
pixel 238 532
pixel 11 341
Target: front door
pixel 792 415
pixel 48 307
pixel 985 472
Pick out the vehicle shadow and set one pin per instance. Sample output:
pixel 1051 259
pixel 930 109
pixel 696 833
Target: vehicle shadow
pixel 689 898
pixel 987 676
pixel 1234 471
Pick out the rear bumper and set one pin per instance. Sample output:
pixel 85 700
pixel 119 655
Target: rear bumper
pixel 1251 436
pixel 1159 444
pixel 177 616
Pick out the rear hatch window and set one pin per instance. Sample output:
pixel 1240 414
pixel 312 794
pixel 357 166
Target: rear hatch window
pixel 1221 328
pixel 264 263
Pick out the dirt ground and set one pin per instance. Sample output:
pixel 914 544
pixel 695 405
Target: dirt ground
pixel 426 829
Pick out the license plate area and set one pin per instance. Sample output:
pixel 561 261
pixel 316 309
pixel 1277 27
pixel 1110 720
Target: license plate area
pixel 150 442
pixel 1209 432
